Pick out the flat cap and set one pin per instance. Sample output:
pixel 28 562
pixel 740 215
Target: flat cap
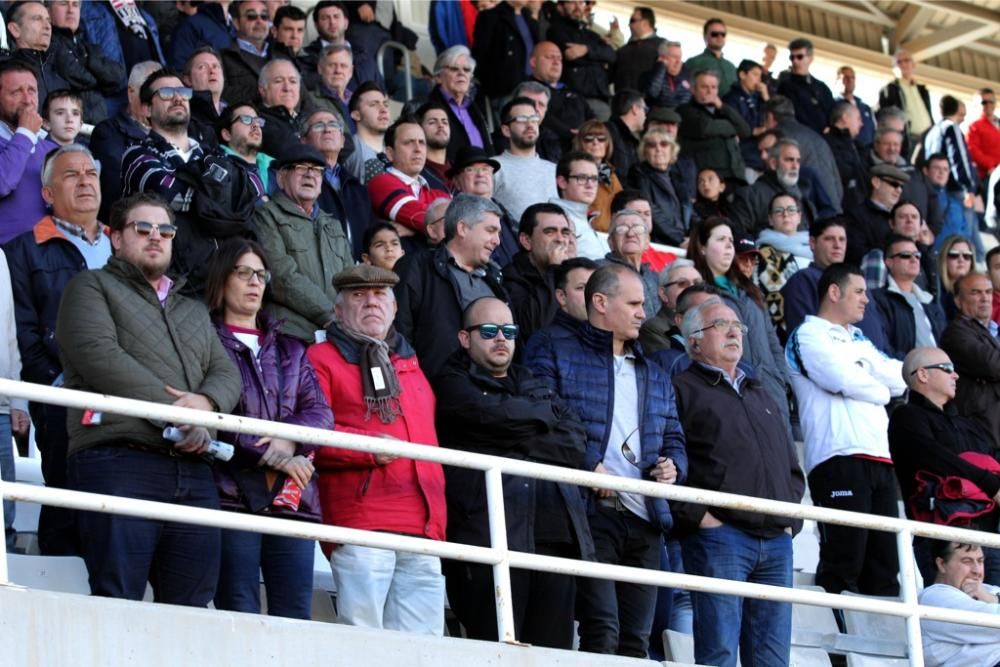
pixel 364 275
pixel 890 172
pixel 663 115
pixel 298 153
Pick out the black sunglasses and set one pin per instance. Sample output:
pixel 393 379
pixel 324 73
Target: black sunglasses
pixel 946 367
pixel 489 330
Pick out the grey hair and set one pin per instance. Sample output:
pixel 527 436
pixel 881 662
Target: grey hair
pixel 531 87
pixel 330 49
pixel 306 120
pixel 435 205
pixel 883 131
pixel 890 112
pixel 265 71
pixel 897 54
pixel 668 271
pixel 774 152
pixel 694 320
pixel 451 55
pixel 662 49
pixel 140 71
pixel 628 213
pixel 50 160
pixel 469 209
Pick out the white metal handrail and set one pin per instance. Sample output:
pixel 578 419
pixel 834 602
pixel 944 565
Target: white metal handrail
pixel 498 555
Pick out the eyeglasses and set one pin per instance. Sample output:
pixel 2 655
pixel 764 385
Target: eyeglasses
pixel 583 179
pixel 599 138
pixel 477 170
pixel 435 221
pixel 534 119
pixel 247 119
pixel 684 283
pixel 906 255
pixel 328 125
pixel 892 184
pixel 946 367
pixel 782 210
pixel 303 169
pixel 168 92
pixel 455 69
pixel 622 230
pixel 725 326
pixel 659 144
pixel 957 254
pixel 489 330
pixel 143 228
pixel 245 273
pixel 798 56
pixel 717 33
pixel 254 16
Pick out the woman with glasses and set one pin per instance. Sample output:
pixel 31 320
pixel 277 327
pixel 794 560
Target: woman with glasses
pixel 453 72
pixel 666 196
pixel 593 138
pixel 266 476
pixel 783 250
pixel 712 250
pixel 955 259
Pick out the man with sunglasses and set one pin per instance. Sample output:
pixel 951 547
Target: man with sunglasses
pixel 928 437
pixel 971 342
pixel 737 442
pixel 869 223
pixel 843 383
pixel 243 59
pixel 911 317
pixel 307 245
pixel 125 330
pixel 241 131
pixel 622 398
pixel 211 196
pixel 714 33
pixel 812 98
pixel 488 404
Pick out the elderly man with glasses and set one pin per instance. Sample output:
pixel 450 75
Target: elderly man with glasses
pixel 126 330
pixel 737 442
pixel 307 245
pixel 843 383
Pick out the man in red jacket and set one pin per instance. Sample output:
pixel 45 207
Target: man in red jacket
pixel 373 382
pixel 983 137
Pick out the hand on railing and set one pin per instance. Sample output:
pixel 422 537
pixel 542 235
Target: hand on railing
pixel 664 471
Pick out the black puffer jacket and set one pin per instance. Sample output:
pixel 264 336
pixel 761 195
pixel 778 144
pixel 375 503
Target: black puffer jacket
pixel 88 71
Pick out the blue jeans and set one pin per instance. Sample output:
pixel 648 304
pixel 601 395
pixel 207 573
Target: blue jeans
pixel 760 629
pixel 180 561
pixel 287 566
pixel 616 617
pixel 7 475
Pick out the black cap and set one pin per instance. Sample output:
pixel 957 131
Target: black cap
pixel 744 244
pixel 298 153
pixel 469 155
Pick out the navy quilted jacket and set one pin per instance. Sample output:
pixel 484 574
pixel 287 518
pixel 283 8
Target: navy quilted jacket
pixel 576 360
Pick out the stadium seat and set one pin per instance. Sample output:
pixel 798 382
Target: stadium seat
pixel 62 574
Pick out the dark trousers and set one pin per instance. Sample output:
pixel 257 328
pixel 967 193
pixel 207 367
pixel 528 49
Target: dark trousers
pixel 856 559
pixel 287 567
pixel 180 561
pixel 57 532
pixel 616 617
pixel 543 601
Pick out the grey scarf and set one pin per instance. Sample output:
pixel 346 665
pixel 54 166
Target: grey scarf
pixel 379 383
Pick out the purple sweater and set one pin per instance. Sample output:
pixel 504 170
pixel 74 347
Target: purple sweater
pixel 21 203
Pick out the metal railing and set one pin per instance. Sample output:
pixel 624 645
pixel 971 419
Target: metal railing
pixel 498 556
pixel 380 62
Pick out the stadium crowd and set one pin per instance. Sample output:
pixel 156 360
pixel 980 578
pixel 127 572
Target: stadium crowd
pixel 199 208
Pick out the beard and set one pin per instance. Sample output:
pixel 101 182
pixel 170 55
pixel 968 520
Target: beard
pixel 788 178
pixel 437 144
pixel 522 142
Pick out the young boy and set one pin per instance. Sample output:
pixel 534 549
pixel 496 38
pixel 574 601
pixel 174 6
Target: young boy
pixel 63 116
pixel 382 246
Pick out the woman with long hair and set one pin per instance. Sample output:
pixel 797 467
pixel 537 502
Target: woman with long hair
pixel 955 259
pixel 593 138
pixel 268 476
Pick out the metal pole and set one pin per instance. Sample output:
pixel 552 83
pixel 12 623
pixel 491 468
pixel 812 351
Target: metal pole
pixel 3 540
pixel 498 542
pixel 908 595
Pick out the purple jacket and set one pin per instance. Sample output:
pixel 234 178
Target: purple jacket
pixel 21 203
pixel 281 370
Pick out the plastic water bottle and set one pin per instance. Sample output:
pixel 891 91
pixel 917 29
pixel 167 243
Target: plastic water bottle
pixel 220 450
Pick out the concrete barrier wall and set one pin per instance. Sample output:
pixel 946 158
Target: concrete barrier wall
pixel 44 629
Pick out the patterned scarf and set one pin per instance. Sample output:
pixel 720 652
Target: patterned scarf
pixel 379 383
